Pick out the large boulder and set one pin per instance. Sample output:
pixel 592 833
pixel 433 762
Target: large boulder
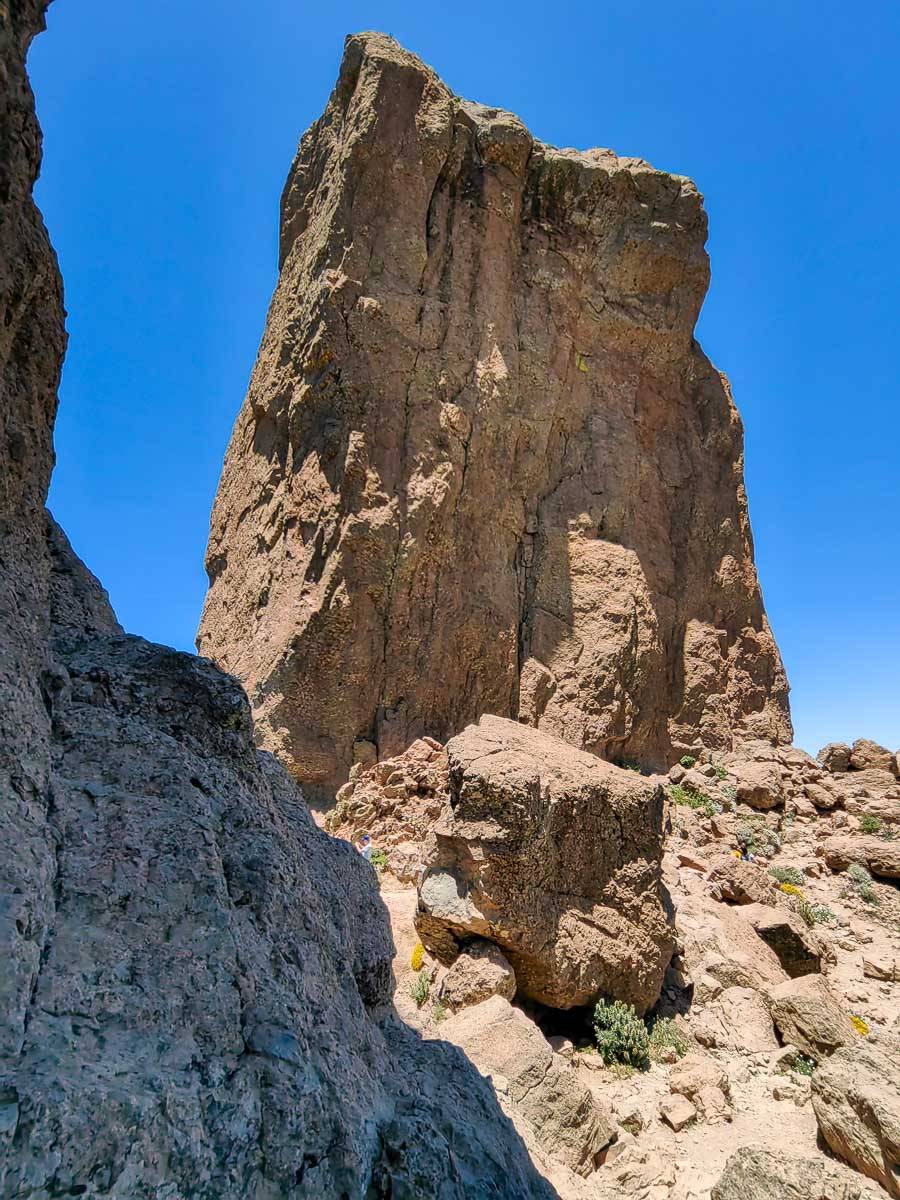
pixel 753 1173
pixel 480 972
pixel 738 1019
pixel 880 855
pixel 568 1122
pixel 483 464
pixel 800 950
pixel 856 1099
pixel 869 756
pixel 835 756
pixel 555 856
pixel 810 1016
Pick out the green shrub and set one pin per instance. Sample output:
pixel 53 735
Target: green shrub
pixel 815 914
pixel 621 1035
pixel 756 836
pixel 666 1034
pixel 787 875
pixel 687 761
pixel 804 1065
pixel 689 798
pixel 861 882
pixel 420 987
pixel 439 1011
pixel 720 771
pixel 378 859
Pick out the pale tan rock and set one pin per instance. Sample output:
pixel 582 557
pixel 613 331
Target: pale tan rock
pixel 694 1072
pixel 481 971
pixel 494 380
pixel 568 1122
pixel 881 856
pixel 738 1019
pixel 713 1104
pixel 809 1015
pixel 856 1099
pixel 758 784
pixel 884 965
pixel 742 882
pixel 754 1173
pixel 555 856
pixel 676 1111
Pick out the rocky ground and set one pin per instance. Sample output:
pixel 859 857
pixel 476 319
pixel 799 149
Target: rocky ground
pixel 781 1000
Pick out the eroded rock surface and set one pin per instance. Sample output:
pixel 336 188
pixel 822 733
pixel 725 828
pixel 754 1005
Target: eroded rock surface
pixel 195 982
pixel 555 856
pixel 483 465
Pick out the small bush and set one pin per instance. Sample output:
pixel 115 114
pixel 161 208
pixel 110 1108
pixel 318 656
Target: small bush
pixel 417 957
pixel 621 1035
pixel 870 824
pixel 689 798
pixel 815 914
pixel 787 875
pixel 804 1065
pixel 439 1011
pixel 420 987
pixel 720 771
pixel 861 1026
pixel 378 859
pixel 687 761
pixel 665 1034
pixel 756 836
pixel 861 882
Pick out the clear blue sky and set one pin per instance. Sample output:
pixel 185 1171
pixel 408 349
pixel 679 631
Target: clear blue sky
pixel 169 129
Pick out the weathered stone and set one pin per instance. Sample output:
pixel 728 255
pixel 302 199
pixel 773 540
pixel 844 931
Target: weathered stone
pixel 479 365
pixel 694 1072
pixel 809 1015
pixel 880 855
pixel 835 756
pixel 738 1019
pixel 800 950
pixel 480 972
pixel 555 856
pixel 756 1174
pixel 884 965
pixel 195 981
pixel 742 882
pixel 568 1122
pixel 758 784
pixel 867 755
pixel 676 1111
pixel 856 1099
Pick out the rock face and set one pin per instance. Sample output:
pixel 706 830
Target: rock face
pixel 483 465
pixel 856 1098
pixel 756 1174
pixel 809 1015
pixel 195 981
pixel 880 855
pixel 553 855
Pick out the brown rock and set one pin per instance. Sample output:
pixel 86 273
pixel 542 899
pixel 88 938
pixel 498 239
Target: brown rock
pixel 694 1072
pixel 555 856
pixel 738 1019
pixel 884 965
pixel 758 784
pixel 867 755
pixel 480 972
pixel 800 950
pixel 569 1124
pixel 493 379
pixel 811 1017
pixel 856 1099
pixel 835 756
pixel 880 855
pixel 742 882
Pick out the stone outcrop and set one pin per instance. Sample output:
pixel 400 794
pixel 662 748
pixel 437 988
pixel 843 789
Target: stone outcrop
pixel 809 1015
pixel 553 855
pixel 195 981
pixel 880 855
pixel 753 1173
pixel 856 1098
pixel 483 465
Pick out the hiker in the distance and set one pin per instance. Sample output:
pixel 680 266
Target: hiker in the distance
pixel 365 847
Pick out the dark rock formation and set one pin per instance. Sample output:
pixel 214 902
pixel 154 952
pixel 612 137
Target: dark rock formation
pixel 483 465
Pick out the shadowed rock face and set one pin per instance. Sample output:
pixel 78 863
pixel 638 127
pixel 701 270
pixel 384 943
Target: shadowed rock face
pixel 194 980
pixel 482 465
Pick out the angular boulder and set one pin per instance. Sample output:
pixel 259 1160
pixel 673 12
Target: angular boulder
pixel 810 1016
pixel 480 366
pixel 800 950
pixel 835 756
pixel 856 1099
pixel 554 856
pixel 869 756
pixel 568 1123
pixel 753 1173
pixel 480 972
pixel 880 855
pixel 738 1019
